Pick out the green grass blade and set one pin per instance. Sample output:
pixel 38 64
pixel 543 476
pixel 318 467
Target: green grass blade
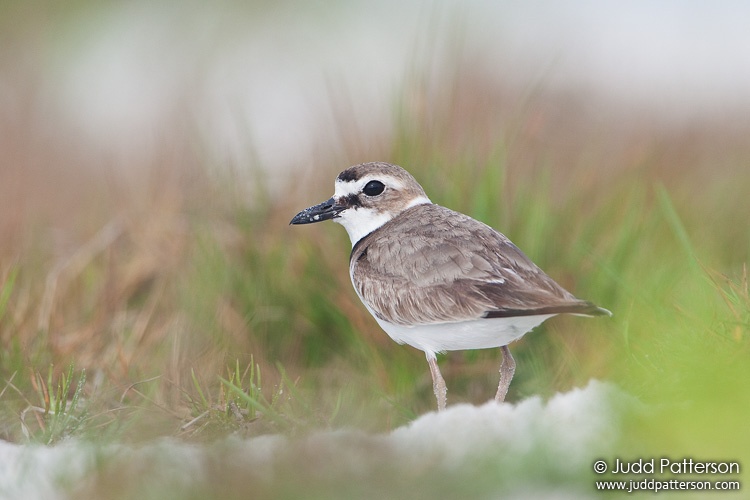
pixel 6 291
pixel 675 223
pixel 261 406
pixel 199 390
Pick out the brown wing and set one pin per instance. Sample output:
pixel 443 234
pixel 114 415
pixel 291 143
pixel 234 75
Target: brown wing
pixel 433 265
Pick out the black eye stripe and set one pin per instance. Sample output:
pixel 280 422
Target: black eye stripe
pixel 352 200
pixel 373 188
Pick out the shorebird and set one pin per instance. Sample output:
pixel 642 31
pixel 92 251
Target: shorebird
pixel 437 279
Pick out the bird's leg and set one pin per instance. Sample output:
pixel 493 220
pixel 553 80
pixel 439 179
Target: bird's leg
pixel 507 369
pixel 438 384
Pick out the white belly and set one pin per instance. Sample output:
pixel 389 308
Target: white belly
pixel 474 334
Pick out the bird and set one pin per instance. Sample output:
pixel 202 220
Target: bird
pixel 436 279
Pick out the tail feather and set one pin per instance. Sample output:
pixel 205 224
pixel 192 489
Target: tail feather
pixel 583 308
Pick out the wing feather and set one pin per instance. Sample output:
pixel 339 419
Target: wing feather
pixel 433 265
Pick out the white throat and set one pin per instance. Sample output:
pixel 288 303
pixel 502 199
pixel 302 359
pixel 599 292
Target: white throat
pixel 359 222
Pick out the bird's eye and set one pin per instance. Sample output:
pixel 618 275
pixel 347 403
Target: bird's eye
pixel 373 188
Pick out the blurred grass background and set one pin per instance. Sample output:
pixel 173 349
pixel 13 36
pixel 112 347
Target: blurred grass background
pixel 169 278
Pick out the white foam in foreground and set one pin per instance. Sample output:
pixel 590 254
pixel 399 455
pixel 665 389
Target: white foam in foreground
pixel 532 448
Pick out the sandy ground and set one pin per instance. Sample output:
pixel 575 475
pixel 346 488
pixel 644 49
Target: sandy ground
pixel 531 447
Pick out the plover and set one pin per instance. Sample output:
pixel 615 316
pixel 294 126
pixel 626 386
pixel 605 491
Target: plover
pixel 436 279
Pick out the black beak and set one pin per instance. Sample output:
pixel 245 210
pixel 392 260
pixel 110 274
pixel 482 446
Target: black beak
pixel 323 211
